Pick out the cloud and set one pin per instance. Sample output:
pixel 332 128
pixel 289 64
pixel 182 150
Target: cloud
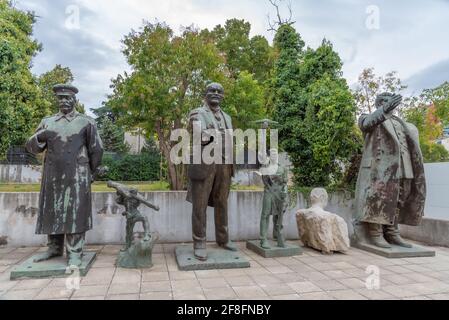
pixel 409 38
pixel 428 78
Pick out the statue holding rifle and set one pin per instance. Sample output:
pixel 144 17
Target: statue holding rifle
pixel 134 255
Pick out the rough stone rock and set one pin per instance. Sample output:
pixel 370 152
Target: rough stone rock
pixel 320 229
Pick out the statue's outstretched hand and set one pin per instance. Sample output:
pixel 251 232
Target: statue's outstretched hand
pixel 393 103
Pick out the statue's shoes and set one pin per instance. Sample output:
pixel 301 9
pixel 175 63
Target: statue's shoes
pixel 201 254
pixel 229 246
pixel 281 244
pixel 75 261
pixel 265 245
pixel 380 242
pixel 398 241
pixel 47 256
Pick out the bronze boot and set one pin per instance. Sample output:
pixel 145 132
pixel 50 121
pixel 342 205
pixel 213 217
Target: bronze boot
pixel 376 236
pixel 200 251
pixel 55 249
pixel 393 236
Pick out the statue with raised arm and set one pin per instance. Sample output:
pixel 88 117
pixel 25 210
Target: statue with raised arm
pixel 391 187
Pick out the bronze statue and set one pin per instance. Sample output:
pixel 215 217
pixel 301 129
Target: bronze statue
pixel 391 187
pixel 74 152
pixel 275 200
pixel 131 200
pixel 210 184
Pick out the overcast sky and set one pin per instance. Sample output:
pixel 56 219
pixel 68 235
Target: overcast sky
pixel 408 36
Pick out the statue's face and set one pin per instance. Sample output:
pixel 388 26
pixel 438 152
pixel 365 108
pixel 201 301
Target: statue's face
pixel 66 103
pixel 214 95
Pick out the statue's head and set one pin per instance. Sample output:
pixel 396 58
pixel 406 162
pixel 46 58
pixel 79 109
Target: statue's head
pixel 66 95
pixel 214 95
pixel 384 99
pixel 319 197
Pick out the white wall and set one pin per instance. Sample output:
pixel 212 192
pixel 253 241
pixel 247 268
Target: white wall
pixel 18 214
pixel 437 203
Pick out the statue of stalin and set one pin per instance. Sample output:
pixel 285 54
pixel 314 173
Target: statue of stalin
pixel 74 152
pixel 391 187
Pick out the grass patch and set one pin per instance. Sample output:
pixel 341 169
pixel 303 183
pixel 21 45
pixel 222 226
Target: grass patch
pixel 96 187
pixel 102 187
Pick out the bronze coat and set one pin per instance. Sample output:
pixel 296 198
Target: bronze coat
pixel 378 184
pixel 199 173
pixel 74 151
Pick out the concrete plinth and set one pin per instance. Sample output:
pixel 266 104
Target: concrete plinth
pixel 56 267
pixel 274 251
pixel 217 259
pixel 397 252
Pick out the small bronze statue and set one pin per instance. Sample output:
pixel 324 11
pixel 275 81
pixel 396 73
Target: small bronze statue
pixel 210 184
pixel 391 187
pixel 275 200
pixel 134 255
pixel 74 153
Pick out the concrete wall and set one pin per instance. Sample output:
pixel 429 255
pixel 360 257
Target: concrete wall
pixel 18 213
pixel 437 203
pixel 20 174
pixel 431 231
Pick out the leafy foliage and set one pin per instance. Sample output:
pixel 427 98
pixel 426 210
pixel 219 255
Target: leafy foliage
pixel 168 80
pixel 143 167
pixel 316 110
pixel 370 86
pixel 22 104
pixel 112 134
pixel 245 101
pixel 58 75
pixel 430 127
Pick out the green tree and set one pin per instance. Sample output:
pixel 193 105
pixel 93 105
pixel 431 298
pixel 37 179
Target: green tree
pixel 112 134
pixel 439 97
pixel 242 53
pixel 428 113
pixel 245 101
pixel 22 104
pixel 113 137
pixel 168 80
pixel 315 108
pixel 58 75
pixel 370 86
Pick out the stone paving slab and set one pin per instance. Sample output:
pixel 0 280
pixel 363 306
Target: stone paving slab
pixel 312 276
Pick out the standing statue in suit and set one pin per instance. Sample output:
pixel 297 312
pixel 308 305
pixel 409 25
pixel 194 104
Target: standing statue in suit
pixel 210 184
pixel 391 187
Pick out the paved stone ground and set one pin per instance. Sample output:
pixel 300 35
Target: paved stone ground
pixel 309 277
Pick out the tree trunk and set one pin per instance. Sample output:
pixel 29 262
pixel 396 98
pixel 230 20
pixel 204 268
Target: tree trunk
pixel 176 174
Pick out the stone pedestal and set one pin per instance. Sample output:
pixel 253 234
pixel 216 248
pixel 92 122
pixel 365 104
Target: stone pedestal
pixel 139 256
pixel 396 252
pixel 274 251
pixel 217 259
pixel 53 268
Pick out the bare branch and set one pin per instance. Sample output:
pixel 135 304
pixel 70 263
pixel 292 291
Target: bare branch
pixel 274 25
